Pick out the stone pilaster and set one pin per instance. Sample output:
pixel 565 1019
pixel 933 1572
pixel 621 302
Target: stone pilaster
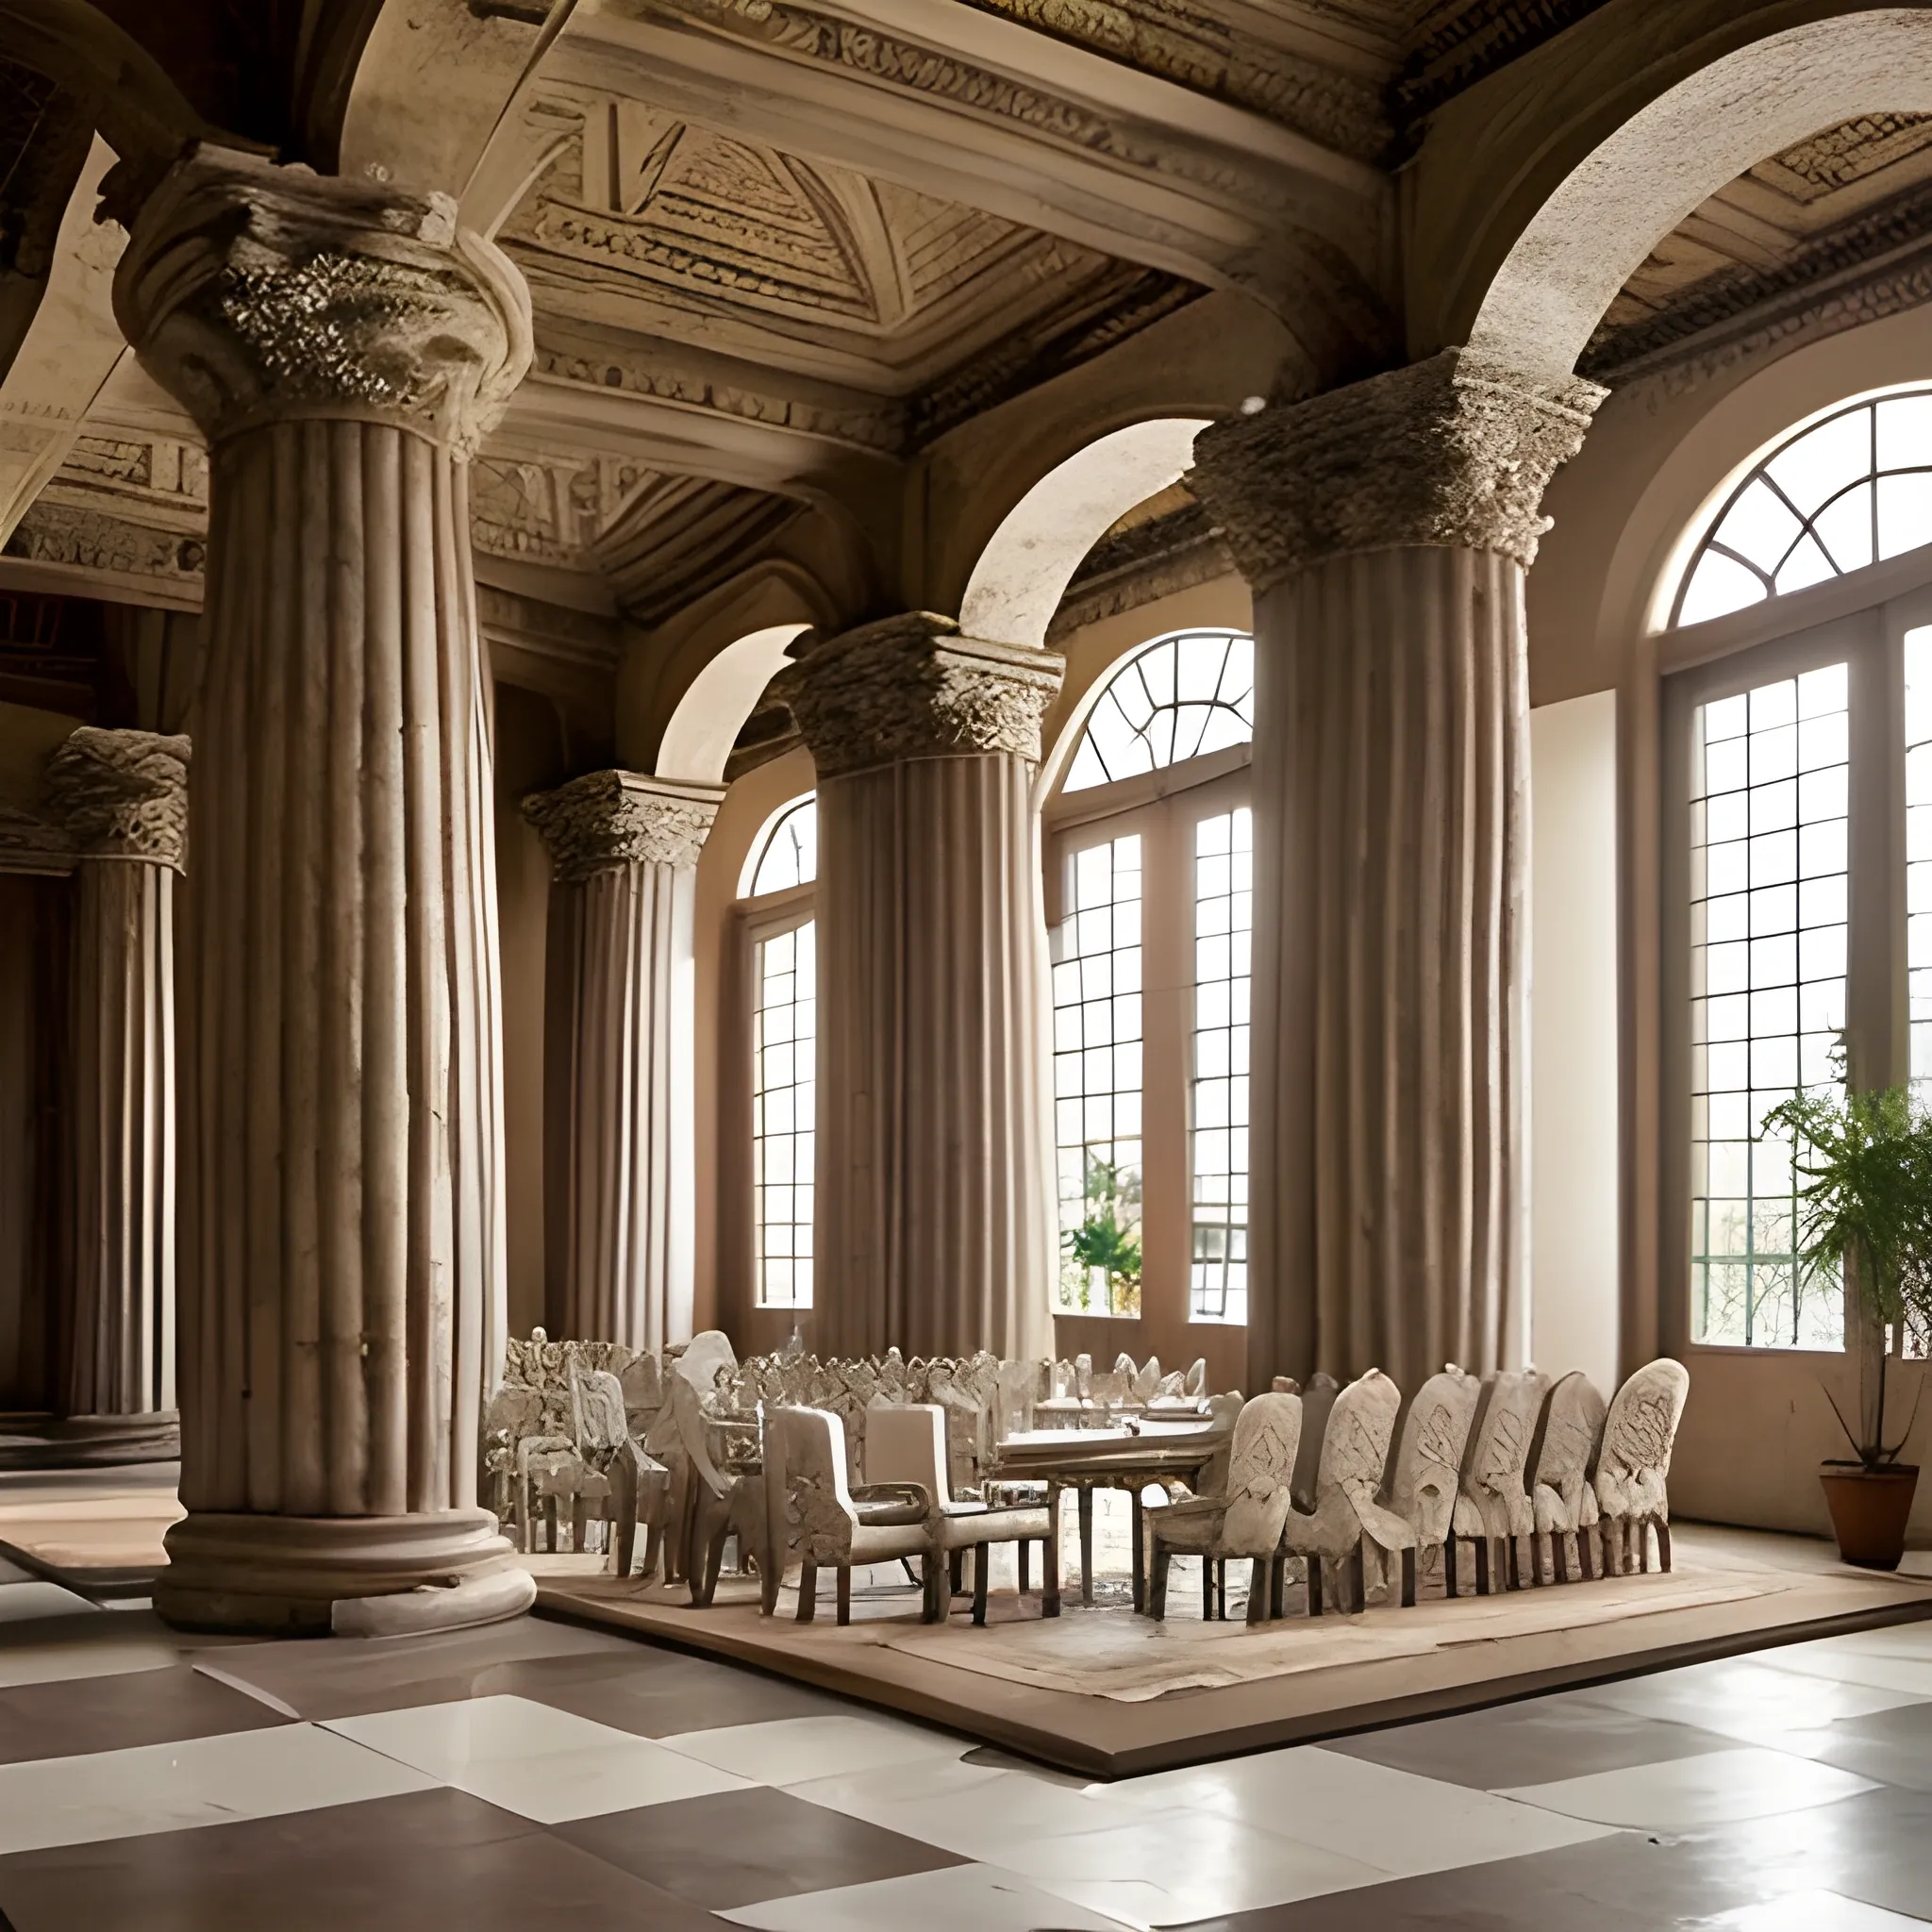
pixel 341 1277
pixel 935 1189
pixel 123 798
pixel 1386 529
pixel 621 1181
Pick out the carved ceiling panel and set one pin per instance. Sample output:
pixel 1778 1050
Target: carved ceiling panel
pixel 1849 195
pixel 655 228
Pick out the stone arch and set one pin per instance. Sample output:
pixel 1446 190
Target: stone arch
pixel 718 700
pixel 1602 217
pixel 1021 576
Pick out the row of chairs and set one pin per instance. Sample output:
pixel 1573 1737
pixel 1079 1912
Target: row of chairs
pixel 1510 1460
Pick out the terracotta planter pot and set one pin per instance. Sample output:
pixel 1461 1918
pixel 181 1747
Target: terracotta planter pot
pixel 1869 1508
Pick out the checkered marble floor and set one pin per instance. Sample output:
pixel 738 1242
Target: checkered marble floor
pixel 535 1775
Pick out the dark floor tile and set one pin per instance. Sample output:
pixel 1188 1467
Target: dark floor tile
pixel 658 1693
pixel 13 1573
pixel 1622 1884
pixel 349 1677
pixel 741 1847
pixel 432 1859
pixel 1876 1848
pixel 77 1715
pixel 1530 1744
pixel 1893 1746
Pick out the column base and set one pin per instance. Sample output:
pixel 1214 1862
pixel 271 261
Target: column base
pixel 89 1442
pixel 349 1576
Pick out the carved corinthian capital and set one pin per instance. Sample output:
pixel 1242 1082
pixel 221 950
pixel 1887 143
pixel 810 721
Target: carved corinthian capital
pixel 622 818
pixel 912 687
pixel 123 794
pixel 253 293
pixel 1446 452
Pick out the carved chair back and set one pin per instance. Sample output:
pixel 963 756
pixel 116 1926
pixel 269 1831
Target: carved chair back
pixel 1260 1463
pixel 1494 1474
pixel 1427 1465
pixel 1563 1456
pixel 1354 1445
pixel 907 1443
pixel 1639 1433
pixel 810 1498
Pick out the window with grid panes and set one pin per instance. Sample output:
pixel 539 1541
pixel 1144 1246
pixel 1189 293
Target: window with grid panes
pixel 1769 814
pixel 1223 919
pixel 1097 1041
pixel 784 1067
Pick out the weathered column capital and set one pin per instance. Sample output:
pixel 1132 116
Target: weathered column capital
pixel 912 687
pixel 123 794
pixel 1449 452
pixel 622 818
pixel 253 293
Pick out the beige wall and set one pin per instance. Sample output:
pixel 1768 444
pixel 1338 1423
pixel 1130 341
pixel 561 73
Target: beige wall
pixel 1572 1111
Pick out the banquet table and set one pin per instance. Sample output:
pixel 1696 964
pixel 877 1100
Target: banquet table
pixel 1084 1460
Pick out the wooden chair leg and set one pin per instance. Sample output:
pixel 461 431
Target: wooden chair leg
pixel 1026 1565
pixel 579 1521
pixel 1482 1566
pixel 1257 1591
pixel 956 1568
pixel 844 1592
pixel 982 1564
pixel 808 1591
pixel 1157 1582
pixel 1449 1563
pixel 1586 1568
pixel 1314 1586
pixel 1207 1590
pixel 1277 1584
pixel 933 1607
pixel 1357 1579
pixel 1559 1557
pixel 1408 1579
pixel 1643 1545
pixel 1513 1547
pixel 1086 1542
pixel 1663 1545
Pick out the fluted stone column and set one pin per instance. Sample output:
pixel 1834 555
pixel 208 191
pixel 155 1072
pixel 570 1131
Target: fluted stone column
pixel 123 798
pixel 624 850
pixel 1386 529
pixel 342 1258
pixel 935 1229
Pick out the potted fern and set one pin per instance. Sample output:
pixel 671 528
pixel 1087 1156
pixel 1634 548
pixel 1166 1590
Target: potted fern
pixel 1864 1203
pixel 1107 1239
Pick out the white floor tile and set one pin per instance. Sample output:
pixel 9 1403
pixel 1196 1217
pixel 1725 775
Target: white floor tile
pixel 550 1765
pixel 1719 1788
pixel 1174 1867
pixel 1751 1700
pixel 22 1602
pixel 1812 1911
pixel 979 1812
pixel 112 1654
pixel 68 1801
pixel 1906 1670
pixel 1396 1821
pixel 961 1898
pixel 793 1750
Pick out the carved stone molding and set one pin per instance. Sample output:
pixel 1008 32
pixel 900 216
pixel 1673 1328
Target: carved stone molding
pixel 912 687
pixel 252 292
pixel 622 818
pixel 1446 452
pixel 123 794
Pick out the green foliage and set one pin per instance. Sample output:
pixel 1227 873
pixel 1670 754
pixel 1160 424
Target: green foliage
pixel 1108 1237
pixel 1865 1212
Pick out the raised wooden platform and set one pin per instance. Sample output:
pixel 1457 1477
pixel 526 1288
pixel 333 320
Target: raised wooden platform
pixel 1105 1694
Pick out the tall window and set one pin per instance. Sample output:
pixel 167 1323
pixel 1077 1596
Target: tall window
pixel 784 1049
pixel 1845 492
pixel 1151 837
pixel 1224 919
pixel 1918 737
pixel 1769 809
pixel 1096 1068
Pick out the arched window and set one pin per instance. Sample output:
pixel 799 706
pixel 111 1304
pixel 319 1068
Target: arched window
pixel 784 1047
pixel 1181 697
pixel 787 855
pixel 1848 490
pixel 1798 791
pixel 1150 839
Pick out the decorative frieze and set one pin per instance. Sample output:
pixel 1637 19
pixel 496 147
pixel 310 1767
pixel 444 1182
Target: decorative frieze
pixel 261 292
pixel 123 794
pixel 1444 453
pixel 912 687
pixel 622 818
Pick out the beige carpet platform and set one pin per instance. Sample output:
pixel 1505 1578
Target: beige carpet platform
pixel 1104 1694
